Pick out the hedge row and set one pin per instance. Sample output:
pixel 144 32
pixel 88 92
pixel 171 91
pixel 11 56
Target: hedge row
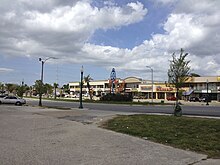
pixel 116 97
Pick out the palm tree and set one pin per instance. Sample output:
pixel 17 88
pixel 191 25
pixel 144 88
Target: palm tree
pixel 49 89
pixel 87 79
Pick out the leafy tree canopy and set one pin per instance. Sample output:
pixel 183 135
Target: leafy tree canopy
pixel 179 69
pixel 39 86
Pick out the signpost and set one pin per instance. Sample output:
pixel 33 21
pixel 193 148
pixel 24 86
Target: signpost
pixel 113 78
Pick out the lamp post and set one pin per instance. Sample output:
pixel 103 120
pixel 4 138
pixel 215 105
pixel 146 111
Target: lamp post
pixel 81 86
pixel 42 75
pixel 22 88
pixel 207 88
pixel 152 81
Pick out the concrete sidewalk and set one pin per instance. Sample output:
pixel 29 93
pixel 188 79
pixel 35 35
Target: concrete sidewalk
pixel 32 135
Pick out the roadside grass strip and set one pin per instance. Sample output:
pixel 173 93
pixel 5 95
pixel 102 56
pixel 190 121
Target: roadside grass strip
pixel 195 134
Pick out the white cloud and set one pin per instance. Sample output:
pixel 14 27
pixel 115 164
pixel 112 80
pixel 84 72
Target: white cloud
pixel 181 32
pixel 193 25
pixel 165 2
pixel 49 29
pixel 197 31
pixel 6 70
pixel 63 28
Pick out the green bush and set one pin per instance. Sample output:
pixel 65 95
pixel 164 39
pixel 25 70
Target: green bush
pixel 116 97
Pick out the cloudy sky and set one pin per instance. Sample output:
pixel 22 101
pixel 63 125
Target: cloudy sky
pixel 101 34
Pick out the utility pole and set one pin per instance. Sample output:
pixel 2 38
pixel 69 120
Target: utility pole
pixel 152 83
pixel 207 95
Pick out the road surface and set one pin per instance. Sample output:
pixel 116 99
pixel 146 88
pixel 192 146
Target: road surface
pixel 199 109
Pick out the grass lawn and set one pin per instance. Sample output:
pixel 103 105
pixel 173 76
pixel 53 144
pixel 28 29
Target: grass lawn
pixel 194 134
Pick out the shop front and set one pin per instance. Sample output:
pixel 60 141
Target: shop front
pixel 160 91
pixel 164 92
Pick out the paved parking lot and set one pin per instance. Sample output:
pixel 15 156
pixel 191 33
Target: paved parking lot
pixel 33 135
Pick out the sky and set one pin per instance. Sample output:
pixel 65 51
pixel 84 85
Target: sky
pixel 99 35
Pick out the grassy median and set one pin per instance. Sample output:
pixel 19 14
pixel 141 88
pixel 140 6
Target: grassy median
pixel 194 134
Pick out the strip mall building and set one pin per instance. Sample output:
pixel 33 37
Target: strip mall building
pixel 195 86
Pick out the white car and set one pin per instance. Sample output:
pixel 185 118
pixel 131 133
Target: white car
pixel 12 100
pixel 74 96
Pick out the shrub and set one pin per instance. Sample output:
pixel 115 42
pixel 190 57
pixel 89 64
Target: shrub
pixel 116 97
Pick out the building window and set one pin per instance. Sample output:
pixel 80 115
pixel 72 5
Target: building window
pixel 99 86
pixel 106 85
pixel 161 95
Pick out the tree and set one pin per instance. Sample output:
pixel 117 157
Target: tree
pixel 26 89
pixel 39 87
pixel 20 90
pixel 66 88
pixel 11 88
pixel 178 73
pixel 87 79
pixel 48 89
pixel 55 85
pixel 2 90
pixel 30 91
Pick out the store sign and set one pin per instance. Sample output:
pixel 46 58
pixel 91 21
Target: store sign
pixel 146 88
pixel 113 78
pixel 159 88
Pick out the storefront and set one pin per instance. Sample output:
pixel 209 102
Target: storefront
pixel 193 87
pixel 203 87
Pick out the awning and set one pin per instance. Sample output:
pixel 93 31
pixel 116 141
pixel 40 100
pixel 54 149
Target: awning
pixel 187 93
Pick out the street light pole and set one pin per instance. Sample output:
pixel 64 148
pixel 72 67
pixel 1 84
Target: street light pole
pixel 42 76
pixel 152 82
pixel 207 88
pixel 81 86
pixel 22 88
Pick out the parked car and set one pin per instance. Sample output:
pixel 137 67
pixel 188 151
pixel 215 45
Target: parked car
pixel 194 99
pixel 85 95
pixel 171 98
pixel 2 96
pixel 75 96
pixel 205 99
pixel 12 100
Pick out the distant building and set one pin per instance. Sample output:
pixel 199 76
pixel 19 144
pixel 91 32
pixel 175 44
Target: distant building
pixel 203 86
pixel 137 87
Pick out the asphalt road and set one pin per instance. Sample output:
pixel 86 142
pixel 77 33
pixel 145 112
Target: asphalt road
pixel 199 109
